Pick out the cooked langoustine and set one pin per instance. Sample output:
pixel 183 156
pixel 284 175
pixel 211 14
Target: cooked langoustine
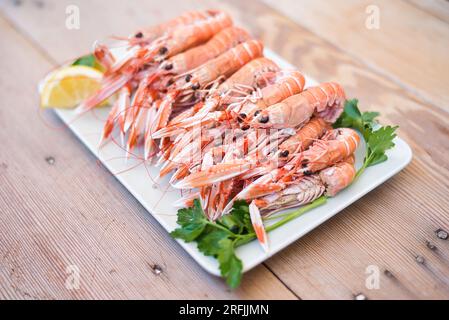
pixel 326 100
pixel 248 78
pixel 196 56
pixel 281 85
pixel 149 34
pixel 223 66
pixel 334 146
pixel 174 40
pixel 303 137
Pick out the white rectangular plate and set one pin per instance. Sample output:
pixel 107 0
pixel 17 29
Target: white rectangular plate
pixel 157 198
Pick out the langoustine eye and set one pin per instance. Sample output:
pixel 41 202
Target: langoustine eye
pixel 264 119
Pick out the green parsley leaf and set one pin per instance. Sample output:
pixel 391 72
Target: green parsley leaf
pixel 188 232
pixel 230 265
pixel 194 214
pixel 370 116
pixel 240 212
pixel 351 109
pixel 192 221
pixel 88 61
pixel 217 238
pixel 209 241
pixel 378 142
pixel 231 223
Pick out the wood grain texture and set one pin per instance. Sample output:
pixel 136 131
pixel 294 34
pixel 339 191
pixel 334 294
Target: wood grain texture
pixel 410 47
pixel 437 8
pixel 55 215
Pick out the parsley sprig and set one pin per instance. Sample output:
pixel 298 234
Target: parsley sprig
pixel 220 238
pixel 378 138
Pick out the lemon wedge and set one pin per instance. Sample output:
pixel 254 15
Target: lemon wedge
pixel 69 86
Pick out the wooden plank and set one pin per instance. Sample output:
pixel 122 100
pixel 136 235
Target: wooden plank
pixel 386 228
pixel 437 8
pixel 46 24
pixel 410 47
pixel 53 216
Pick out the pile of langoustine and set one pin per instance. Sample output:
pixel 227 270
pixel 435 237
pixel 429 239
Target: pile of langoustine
pixel 229 123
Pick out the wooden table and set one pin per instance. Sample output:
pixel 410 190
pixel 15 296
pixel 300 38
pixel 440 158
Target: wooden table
pixel 60 209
